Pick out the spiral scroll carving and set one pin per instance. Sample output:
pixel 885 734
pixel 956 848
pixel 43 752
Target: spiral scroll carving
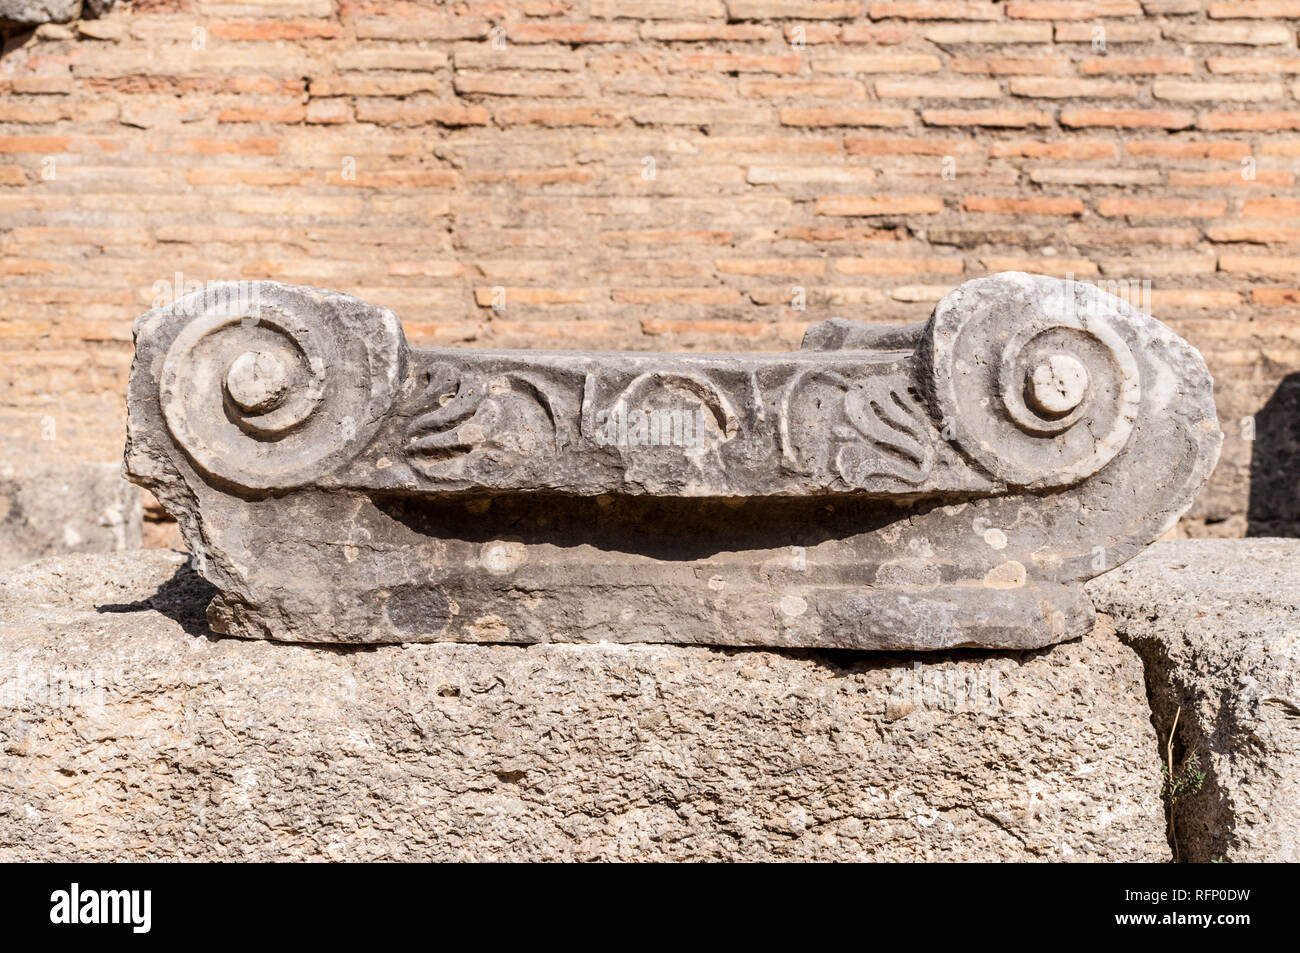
pixel 282 389
pixel 1034 378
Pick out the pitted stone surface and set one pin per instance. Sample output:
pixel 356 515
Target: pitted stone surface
pixel 922 487
pixel 65 507
pixel 125 736
pixel 1217 623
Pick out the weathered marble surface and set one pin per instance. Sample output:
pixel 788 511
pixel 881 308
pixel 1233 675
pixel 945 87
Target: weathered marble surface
pixel 65 507
pixel 129 733
pixel 918 487
pixel 1217 623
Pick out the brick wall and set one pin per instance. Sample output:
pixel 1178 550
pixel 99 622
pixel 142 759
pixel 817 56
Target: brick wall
pixel 665 174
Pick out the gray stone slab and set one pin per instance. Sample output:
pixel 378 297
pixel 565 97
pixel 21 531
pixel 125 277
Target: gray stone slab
pixel 1217 623
pixel 899 487
pixel 128 733
pixel 65 507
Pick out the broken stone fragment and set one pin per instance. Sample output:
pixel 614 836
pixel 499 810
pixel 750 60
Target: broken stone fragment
pixel 914 487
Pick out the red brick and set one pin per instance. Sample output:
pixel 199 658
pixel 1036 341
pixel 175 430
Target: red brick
pixel 878 205
pixel 740 63
pixel 1072 88
pixel 1116 33
pixel 35 144
pixel 1012 65
pixel 845 116
pixel 1289 148
pixel 1258 9
pixel 1231 178
pixel 798 89
pixel 702 296
pixel 1239 34
pixel 1023 206
pixel 1127 118
pixel 1229 65
pixel 1066 149
pixel 594 115
pixel 517 84
pixel 886 146
pixel 1260 266
pixel 274 29
pixel 877 63
pixel 810 268
pixel 1263 121
pixel 792 9
pixel 1136 65
pixel 997 118
pixel 329 111
pixel 1065 10
pixel 1256 234
pixel 576 33
pixel 1187 91
pixel 408 113
pixel 1131 235
pixel 952 34
pixel 206 146
pixel 1272 297
pixel 293 113
pixel 1166 149
pixel 1058 267
pixel 361 84
pixel 723 32
pixel 899 266
pixel 1271 208
pixel 1162 208
pixel 934 10
pixel 876 34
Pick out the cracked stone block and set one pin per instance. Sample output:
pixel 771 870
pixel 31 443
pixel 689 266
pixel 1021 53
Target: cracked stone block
pixel 928 486
pixel 129 732
pixel 66 507
pixel 1217 624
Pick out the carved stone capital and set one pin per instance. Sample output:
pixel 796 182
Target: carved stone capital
pixel 907 487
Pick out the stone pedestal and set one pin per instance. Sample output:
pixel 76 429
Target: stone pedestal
pixel 130 732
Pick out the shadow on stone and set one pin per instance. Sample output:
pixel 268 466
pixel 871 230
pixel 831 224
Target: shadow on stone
pixel 663 528
pixel 183 598
pixel 1274 508
pixel 847 661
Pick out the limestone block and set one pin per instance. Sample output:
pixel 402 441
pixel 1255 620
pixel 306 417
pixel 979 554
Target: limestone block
pixel 129 732
pixel 1217 623
pixel 65 507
